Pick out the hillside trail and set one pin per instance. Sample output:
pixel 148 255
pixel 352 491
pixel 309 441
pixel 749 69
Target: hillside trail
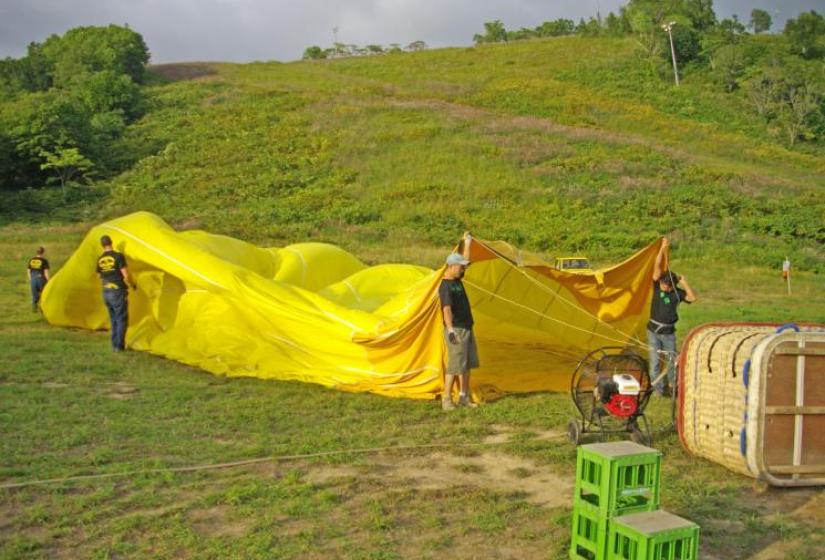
pixel 501 123
pixel 752 174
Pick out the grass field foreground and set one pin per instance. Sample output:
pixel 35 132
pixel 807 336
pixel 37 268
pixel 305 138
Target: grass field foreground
pixel 500 487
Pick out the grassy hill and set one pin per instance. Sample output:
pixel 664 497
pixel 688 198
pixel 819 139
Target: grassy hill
pixel 558 146
pixel 562 145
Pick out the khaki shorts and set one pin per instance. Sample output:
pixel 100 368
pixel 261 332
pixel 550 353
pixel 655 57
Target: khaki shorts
pixel 462 356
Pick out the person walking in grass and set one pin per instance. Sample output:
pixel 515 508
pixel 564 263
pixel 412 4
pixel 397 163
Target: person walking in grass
pixel 462 353
pixel 38 273
pixel 661 329
pixel 111 266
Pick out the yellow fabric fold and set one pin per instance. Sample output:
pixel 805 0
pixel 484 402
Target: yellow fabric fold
pixel 313 312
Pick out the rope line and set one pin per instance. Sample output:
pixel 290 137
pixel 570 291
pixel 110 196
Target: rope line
pixel 258 460
pixel 545 316
pixel 558 295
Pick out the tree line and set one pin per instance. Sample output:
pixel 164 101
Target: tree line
pixel 779 76
pixel 342 50
pixel 64 104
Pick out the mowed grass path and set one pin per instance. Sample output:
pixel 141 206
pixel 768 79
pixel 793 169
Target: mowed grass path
pixel 68 407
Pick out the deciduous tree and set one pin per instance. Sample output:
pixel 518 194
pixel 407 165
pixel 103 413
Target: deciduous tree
pixel 806 34
pixel 66 162
pixel 760 21
pixel 494 32
pixel 314 53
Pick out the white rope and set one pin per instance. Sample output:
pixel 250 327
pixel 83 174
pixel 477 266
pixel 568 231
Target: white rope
pixel 629 337
pixel 545 316
pixel 254 461
pixel 164 254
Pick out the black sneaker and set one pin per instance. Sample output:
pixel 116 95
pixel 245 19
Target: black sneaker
pixel 467 403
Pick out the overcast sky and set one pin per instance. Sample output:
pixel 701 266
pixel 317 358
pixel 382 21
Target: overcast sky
pixel 247 30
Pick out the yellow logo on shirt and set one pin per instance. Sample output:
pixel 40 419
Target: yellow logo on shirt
pixel 106 264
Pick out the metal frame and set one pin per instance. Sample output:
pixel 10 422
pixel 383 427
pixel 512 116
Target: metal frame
pixel 596 420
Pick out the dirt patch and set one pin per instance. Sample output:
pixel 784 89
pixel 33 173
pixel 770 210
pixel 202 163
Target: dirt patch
pixel 325 475
pixel 184 71
pixel 54 385
pixel 188 223
pixel 504 434
pixel 627 182
pixel 159 511
pixel 779 550
pixel 217 522
pixel 121 391
pixel 437 471
pixel 797 502
pixel 501 434
pixel 812 511
pixel 8 516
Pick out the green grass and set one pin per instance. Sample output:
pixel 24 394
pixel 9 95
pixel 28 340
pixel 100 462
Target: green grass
pixel 557 146
pixel 71 407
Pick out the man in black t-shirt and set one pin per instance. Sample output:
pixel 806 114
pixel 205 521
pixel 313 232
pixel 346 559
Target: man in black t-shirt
pixel 462 353
pixel 111 267
pixel 661 329
pixel 38 273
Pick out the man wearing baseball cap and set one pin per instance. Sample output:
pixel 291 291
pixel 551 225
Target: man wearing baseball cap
pixel 462 353
pixel 111 267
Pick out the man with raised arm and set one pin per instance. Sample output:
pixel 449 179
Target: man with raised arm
pixel 661 329
pixel 462 353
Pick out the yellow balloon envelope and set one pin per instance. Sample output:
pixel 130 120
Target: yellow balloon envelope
pixel 313 312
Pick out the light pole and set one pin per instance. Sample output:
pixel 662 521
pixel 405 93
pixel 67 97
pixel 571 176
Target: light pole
pixel 669 27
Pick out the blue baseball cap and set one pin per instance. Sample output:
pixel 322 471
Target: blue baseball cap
pixel 455 258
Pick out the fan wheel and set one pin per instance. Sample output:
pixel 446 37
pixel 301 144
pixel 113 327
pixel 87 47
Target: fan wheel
pixel 574 431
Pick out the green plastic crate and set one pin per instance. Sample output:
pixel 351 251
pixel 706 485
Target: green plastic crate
pixel 654 535
pixel 588 536
pixel 617 478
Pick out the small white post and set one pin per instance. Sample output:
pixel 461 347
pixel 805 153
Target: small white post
pixel 786 273
pixel 669 28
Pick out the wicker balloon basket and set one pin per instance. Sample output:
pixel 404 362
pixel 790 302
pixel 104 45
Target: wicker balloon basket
pixel 752 398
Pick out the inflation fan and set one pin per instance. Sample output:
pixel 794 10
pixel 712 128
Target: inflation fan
pixel 611 388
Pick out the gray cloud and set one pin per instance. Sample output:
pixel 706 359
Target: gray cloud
pixel 245 30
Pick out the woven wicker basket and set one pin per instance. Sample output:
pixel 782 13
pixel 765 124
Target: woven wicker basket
pixel 739 404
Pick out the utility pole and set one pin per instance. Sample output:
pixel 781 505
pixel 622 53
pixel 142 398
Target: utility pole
pixel 669 28
pixel 335 34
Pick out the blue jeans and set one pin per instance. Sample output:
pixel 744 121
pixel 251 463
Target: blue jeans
pixel 37 284
pixel 117 304
pixel 667 343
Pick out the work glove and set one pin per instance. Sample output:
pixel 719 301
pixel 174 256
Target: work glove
pixel 452 337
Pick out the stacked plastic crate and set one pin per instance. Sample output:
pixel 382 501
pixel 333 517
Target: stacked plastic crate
pixel 616 507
